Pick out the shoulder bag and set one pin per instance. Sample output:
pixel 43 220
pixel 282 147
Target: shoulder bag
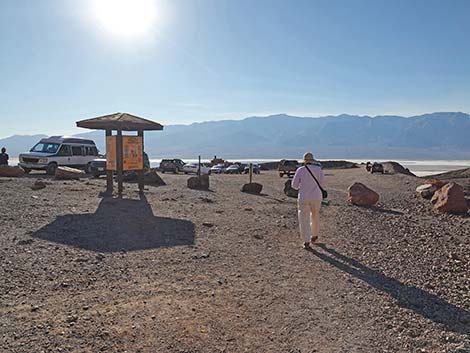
pixel 324 193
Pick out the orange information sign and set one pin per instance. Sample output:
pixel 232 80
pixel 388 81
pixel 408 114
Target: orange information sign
pixel 111 153
pixel 133 152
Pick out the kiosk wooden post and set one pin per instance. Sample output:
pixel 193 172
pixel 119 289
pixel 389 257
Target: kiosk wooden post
pixel 109 173
pixel 140 173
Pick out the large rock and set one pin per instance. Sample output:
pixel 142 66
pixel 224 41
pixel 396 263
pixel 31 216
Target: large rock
pixel 436 182
pixel 426 191
pixel 252 188
pixel 450 199
pixel 69 173
pixel 288 190
pixel 9 171
pixel 199 182
pixel 152 178
pixel 361 195
pixel 391 167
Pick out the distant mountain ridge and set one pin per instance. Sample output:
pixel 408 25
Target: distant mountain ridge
pixel 443 135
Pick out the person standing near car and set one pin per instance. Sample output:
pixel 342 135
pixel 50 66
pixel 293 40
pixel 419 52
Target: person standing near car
pixel 4 157
pixel 309 180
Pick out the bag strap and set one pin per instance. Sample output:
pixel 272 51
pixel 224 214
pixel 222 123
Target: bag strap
pixel 313 176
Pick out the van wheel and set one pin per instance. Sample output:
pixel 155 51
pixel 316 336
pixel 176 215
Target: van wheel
pixel 88 168
pixel 51 168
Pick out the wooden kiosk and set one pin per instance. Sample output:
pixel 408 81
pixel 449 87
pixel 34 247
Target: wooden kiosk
pixel 122 152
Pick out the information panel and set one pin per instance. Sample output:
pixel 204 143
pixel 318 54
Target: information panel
pixel 133 152
pixel 111 153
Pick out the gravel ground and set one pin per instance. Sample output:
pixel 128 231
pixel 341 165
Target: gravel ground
pixel 222 271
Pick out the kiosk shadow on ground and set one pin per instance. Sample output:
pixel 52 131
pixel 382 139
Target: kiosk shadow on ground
pixel 117 225
pixel 421 302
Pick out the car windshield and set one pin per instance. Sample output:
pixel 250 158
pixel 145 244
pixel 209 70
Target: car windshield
pixel 45 147
pixel 290 163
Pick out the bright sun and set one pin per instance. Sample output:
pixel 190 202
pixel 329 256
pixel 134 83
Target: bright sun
pixel 126 18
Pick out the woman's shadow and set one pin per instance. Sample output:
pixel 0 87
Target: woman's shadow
pixel 117 225
pixel 421 302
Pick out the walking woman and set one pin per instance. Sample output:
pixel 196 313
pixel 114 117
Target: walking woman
pixel 310 181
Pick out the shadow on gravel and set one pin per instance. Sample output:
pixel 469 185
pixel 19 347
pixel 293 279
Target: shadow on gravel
pixel 118 225
pixel 421 302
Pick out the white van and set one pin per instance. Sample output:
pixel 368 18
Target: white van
pixel 54 151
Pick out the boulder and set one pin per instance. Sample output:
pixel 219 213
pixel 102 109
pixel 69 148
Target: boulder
pixel 9 171
pixel 391 167
pixel 450 199
pixel 199 182
pixel 361 195
pixel 151 177
pixel 288 190
pixel 252 188
pixel 38 185
pixel 426 191
pixel 69 173
pixel 436 182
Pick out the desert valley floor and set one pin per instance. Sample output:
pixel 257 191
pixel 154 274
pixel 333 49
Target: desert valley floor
pixel 183 271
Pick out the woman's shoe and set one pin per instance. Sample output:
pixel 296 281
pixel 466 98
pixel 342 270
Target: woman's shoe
pixel 306 245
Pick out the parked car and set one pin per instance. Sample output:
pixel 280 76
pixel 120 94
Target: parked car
pixel 171 165
pixel 218 169
pixel 233 169
pixel 194 167
pixel 97 166
pixel 256 169
pixel 377 168
pixel 287 167
pixel 52 152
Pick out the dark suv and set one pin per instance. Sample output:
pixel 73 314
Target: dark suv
pixel 171 165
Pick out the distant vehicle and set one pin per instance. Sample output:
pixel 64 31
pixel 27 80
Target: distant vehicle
pixel 218 169
pixel 256 169
pixel 233 169
pixel 97 166
pixel 377 168
pixel 194 168
pixel 287 167
pixel 171 165
pixel 52 152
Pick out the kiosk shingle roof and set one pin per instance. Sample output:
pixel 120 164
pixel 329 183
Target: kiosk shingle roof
pixel 119 121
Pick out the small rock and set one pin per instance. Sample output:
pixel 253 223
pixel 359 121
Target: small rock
pixel 38 185
pixel 252 188
pixel 208 224
pixel 199 182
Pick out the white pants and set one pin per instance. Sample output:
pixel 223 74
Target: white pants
pixel 309 218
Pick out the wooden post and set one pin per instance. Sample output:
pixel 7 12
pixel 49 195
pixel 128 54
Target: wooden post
pixel 140 173
pixel 109 173
pixel 199 167
pixel 251 172
pixel 119 161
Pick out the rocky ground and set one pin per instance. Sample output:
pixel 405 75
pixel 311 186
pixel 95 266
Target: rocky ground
pixel 222 271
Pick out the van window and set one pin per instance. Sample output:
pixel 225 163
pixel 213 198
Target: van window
pixel 91 151
pixel 64 151
pixel 76 151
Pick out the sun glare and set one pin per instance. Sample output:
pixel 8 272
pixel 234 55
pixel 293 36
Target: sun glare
pixel 126 18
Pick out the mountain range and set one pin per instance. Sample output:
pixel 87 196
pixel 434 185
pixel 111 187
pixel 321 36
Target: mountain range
pixel 443 135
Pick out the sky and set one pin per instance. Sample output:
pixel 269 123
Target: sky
pixel 182 61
